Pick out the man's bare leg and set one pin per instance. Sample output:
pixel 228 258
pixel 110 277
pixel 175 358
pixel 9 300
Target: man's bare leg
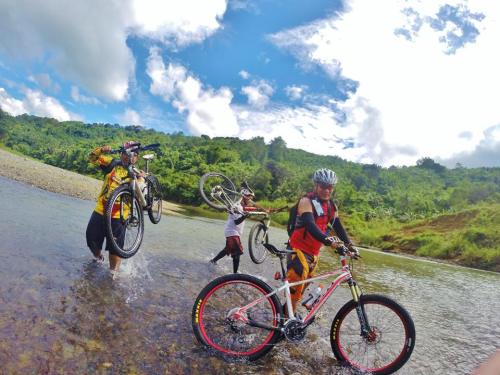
pixel 114 263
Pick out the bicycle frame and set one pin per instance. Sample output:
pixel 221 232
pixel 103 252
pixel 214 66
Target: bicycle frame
pixel 265 218
pixel 135 186
pixel 344 275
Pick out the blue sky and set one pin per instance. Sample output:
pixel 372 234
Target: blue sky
pixel 385 82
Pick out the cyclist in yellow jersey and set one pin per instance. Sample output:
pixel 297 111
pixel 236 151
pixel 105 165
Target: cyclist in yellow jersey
pixel 115 171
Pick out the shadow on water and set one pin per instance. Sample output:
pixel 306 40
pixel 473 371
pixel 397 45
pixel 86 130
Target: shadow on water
pixel 60 312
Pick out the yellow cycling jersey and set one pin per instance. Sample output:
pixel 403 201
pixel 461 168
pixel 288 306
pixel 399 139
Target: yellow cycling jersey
pixel 112 180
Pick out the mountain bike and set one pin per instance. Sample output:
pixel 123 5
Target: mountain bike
pixel 124 209
pixel 241 317
pixel 219 192
pixel 259 236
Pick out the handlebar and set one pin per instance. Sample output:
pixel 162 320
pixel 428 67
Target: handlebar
pixel 264 213
pixel 139 149
pixel 343 250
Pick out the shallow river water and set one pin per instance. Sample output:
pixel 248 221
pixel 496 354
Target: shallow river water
pixel 61 313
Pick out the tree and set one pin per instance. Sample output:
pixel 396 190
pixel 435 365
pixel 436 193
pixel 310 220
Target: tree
pixel 429 164
pixel 277 149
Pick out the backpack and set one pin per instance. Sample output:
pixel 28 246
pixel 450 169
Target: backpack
pixel 292 215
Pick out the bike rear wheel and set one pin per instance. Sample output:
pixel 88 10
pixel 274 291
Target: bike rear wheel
pixel 256 239
pixel 218 191
pixel 218 329
pixel 124 230
pixel 389 343
pixel 154 199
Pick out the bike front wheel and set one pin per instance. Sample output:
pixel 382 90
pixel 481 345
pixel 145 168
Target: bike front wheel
pixel 154 199
pixel 388 344
pixel 124 222
pixel 256 239
pixel 219 326
pixel 218 191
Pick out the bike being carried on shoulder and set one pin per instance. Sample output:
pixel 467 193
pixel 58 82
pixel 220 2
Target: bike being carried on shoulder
pixel 219 192
pixel 241 317
pixel 127 203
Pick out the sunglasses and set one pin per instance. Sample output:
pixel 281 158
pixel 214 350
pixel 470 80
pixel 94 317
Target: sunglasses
pixel 325 186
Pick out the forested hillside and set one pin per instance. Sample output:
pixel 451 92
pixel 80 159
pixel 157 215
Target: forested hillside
pixel 380 204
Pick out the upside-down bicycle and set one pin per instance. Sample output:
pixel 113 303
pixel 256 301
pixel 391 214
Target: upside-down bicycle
pixel 241 316
pixel 219 192
pixel 127 203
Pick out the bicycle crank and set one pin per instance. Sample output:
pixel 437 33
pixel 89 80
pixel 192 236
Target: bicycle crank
pixel 294 330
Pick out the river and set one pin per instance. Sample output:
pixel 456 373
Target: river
pixel 61 313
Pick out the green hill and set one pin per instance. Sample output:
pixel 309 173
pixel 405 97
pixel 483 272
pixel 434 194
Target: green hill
pixel 425 209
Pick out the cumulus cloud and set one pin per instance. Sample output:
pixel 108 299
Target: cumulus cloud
pixel 486 153
pixel 295 92
pixel 258 93
pixel 36 103
pixel 177 23
pixel 244 74
pixel 425 91
pixel 313 128
pixel 130 117
pixel 95 54
pixel 45 82
pixel 207 111
pixel 80 98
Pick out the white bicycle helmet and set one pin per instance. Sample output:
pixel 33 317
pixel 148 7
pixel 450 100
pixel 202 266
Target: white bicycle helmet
pixel 247 193
pixel 324 176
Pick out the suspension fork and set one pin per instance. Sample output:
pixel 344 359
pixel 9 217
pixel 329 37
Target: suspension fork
pixel 360 308
pixel 132 185
pixel 266 222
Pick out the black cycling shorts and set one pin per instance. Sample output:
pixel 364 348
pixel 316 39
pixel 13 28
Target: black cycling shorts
pixel 96 233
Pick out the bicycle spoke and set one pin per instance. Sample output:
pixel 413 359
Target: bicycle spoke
pixel 229 334
pixel 218 191
pixel 384 346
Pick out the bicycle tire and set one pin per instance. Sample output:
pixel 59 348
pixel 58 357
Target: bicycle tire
pixel 218 191
pixel 154 199
pixel 226 293
pixel 257 237
pixel 134 226
pixel 395 343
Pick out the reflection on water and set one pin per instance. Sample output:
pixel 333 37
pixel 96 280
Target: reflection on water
pixel 60 312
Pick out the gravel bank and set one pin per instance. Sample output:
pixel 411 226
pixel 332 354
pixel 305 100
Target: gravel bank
pixel 57 180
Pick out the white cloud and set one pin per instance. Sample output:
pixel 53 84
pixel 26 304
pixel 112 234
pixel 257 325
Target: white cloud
pixel 295 92
pixel 35 103
pixel 80 98
pixel 45 82
pixel 486 153
pixel 258 93
pixel 312 128
pixel 11 105
pixel 86 41
pixel 130 117
pixel 244 74
pixel 177 23
pixel 419 94
pixel 208 111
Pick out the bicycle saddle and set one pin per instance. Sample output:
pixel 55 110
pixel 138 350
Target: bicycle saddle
pixel 148 156
pixel 280 252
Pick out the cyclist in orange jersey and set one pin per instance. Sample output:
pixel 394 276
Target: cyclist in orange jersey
pixel 316 213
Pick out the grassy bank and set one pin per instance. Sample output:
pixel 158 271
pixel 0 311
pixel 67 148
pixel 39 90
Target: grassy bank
pixel 469 237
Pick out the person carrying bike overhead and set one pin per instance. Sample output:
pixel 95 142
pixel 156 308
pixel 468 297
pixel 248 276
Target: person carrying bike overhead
pixel 115 171
pixel 234 228
pixel 315 213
